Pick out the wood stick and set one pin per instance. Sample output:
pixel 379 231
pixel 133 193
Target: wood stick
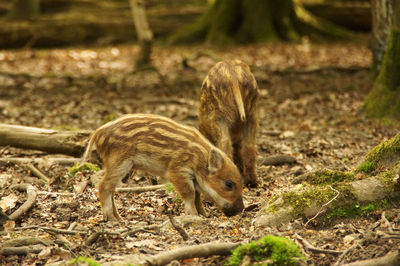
pixel 178 227
pixel 30 200
pixel 37 173
pixel 202 250
pixel 310 247
pixel 139 189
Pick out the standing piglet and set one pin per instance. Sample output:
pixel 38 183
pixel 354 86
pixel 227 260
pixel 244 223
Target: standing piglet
pixel 228 114
pixel 160 146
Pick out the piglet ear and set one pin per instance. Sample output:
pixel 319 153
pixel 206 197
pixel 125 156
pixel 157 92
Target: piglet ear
pixel 215 161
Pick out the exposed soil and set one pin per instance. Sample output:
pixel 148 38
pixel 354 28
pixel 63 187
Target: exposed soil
pixel 310 108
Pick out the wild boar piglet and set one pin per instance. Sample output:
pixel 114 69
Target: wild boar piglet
pixel 160 146
pixel 228 114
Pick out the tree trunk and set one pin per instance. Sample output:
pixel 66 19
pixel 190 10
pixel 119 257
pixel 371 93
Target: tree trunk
pixel 51 141
pixel 381 25
pixel 144 33
pixel 383 99
pixel 25 9
pixel 244 21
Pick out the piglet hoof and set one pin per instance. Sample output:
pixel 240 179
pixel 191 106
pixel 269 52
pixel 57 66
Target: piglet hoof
pixel 251 183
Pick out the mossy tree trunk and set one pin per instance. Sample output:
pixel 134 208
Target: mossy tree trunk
pixel 243 21
pixel 24 9
pixel 383 99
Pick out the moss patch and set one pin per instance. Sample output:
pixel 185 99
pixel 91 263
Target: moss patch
pixel 356 210
pixel 83 261
pixel 326 177
pixel 384 154
pixel 79 167
pixel 366 167
pixel 271 250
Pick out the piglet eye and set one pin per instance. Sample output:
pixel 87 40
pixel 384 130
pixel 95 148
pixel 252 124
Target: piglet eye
pixel 229 185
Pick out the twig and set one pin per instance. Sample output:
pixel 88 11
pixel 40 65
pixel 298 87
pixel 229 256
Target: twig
pixel 68 194
pixel 72 226
pixel 30 200
pixel 339 260
pixel 178 227
pixel 310 247
pixel 323 206
pixel 132 231
pixel 202 250
pixel 139 189
pixel 37 173
pixel 61 240
pixel 93 237
pixel 386 222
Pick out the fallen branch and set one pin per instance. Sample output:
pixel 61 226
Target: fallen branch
pixel 30 200
pixel 26 241
pixel 61 161
pixel 140 189
pixel 51 141
pixel 21 250
pixel 202 250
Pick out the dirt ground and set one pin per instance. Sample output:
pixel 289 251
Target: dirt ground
pixel 310 108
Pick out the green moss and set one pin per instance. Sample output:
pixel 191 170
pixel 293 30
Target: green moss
pixel 311 197
pixel 84 261
pixel 82 167
pixel 307 198
pixel 383 155
pixel 366 167
pixel 274 249
pixel 326 176
pixel 169 188
pixel 356 210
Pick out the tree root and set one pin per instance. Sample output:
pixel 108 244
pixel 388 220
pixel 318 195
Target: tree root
pixel 30 200
pixel 202 250
pixel 390 259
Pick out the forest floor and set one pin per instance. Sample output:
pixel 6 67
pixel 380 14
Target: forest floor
pixel 310 108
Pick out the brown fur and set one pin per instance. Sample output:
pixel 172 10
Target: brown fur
pixel 160 146
pixel 228 114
